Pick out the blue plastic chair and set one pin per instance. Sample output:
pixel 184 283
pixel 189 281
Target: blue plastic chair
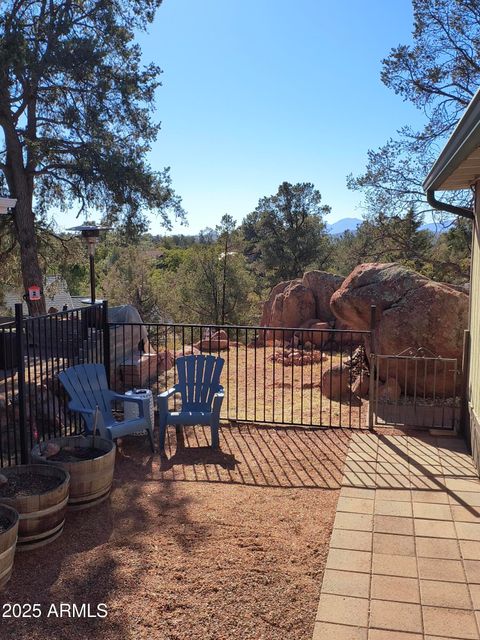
pixel 87 386
pixel 201 392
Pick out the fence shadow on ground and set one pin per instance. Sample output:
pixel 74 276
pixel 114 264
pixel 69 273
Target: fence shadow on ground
pixel 251 455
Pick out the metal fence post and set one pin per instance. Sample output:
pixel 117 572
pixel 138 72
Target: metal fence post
pixel 106 339
pixel 371 390
pixel 19 325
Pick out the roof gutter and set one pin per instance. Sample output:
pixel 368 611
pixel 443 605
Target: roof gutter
pixel 450 208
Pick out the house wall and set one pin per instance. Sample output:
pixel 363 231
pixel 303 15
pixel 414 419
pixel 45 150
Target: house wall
pixel 56 295
pixel 474 324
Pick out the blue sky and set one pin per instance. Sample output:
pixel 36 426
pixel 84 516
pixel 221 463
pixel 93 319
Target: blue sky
pixel 260 91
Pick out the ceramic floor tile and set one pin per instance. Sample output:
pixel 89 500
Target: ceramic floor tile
pixel 355 540
pixel 438 569
pixel 393 508
pixel 395 588
pixel 433 496
pixel 394 565
pixel 470 549
pixel 444 548
pixel 454 595
pixel 357 492
pixel 328 631
pixel 345 560
pixel 383 634
pixel 343 610
pixel 462 513
pixel 396 616
pixel 393 524
pixel 355 505
pixel 346 583
pixel 391 543
pixel 354 521
pixel 449 623
pixel 434 528
pixel 430 511
pixel 468 530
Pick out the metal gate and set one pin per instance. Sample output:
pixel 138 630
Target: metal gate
pixel 416 389
pixel 272 375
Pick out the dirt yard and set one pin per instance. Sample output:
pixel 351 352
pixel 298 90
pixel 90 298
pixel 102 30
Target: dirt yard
pixel 204 546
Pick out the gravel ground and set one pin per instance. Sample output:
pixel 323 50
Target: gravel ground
pixel 203 546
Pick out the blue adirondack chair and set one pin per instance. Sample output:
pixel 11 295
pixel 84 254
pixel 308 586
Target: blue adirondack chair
pixel 201 393
pixel 87 386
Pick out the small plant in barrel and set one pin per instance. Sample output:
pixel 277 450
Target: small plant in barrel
pixel 90 461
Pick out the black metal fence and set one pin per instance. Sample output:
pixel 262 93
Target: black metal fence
pixel 32 352
pixel 418 389
pixel 308 377
pixel 311 377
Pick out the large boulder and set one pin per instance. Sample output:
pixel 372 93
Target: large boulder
pixel 317 335
pixel 278 289
pixel 217 341
pixel 412 312
pixel 335 382
pixel 323 285
pixel 295 302
pixel 290 308
pixel 295 305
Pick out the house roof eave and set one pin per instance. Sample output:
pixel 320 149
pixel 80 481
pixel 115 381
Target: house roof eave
pixel 464 140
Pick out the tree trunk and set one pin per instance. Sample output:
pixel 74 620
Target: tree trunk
pixel 25 232
pixel 20 184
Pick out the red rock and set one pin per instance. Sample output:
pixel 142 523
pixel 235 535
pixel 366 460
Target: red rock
pixel 188 350
pixel 298 302
pixel 319 335
pixel 289 309
pixel 361 386
pixel 389 391
pixel 412 312
pixel 165 361
pixel 217 341
pixel 323 285
pixel 266 319
pixel 336 382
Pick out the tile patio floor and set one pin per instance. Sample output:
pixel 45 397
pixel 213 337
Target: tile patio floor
pixel 404 558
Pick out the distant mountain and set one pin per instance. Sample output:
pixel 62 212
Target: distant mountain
pixel 345 224
pixel 434 228
pixel 351 224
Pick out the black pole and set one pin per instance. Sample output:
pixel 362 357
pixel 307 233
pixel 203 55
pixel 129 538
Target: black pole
pixel 106 340
pixel 92 278
pixel 373 326
pixel 373 348
pixel 224 286
pixel 24 453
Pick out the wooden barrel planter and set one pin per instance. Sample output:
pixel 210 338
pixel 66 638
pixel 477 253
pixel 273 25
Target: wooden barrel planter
pixel 8 542
pixel 41 502
pixel 90 477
